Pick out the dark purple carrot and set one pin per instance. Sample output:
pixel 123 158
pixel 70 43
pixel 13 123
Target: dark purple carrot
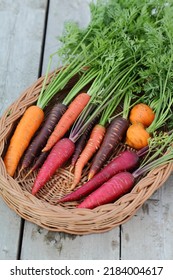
pixel 111 190
pixel 126 160
pixel 60 153
pixel 38 163
pixel 40 160
pixel 40 139
pixel 114 134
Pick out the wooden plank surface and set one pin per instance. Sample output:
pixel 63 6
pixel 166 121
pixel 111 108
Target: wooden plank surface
pixel 149 234
pixel 21 35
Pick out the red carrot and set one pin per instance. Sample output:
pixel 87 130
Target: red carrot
pixel 117 186
pixel 126 160
pixel 114 134
pixel 60 153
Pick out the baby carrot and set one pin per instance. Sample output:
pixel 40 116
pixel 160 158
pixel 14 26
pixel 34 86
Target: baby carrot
pixel 27 126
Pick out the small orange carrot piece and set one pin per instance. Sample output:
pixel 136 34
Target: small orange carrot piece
pixel 26 128
pixel 68 118
pixel 91 147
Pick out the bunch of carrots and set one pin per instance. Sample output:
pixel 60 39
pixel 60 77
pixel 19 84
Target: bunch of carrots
pixel 125 58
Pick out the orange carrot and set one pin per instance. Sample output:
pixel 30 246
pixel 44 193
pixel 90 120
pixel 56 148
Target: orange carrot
pixel 27 126
pixel 68 118
pixel 91 147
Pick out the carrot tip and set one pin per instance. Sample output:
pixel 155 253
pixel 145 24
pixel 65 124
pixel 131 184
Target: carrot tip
pixel 90 175
pixel 73 186
pixel 45 150
pixel 33 192
pixel 71 168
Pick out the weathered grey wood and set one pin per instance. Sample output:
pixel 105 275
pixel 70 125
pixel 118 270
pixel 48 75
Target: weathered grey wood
pixel 9 233
pixel 149 235
pixel 43 244
pixel 59 13
pixel 61 245
pixel 20 45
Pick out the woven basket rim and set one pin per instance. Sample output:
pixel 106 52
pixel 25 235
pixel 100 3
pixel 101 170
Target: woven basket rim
pixel 57 217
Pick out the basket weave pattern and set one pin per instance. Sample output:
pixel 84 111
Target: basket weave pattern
pixel 43 209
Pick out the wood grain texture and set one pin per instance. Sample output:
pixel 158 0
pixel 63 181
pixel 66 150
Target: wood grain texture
pixel 61 12
pixel 149 235
pixel 63 246
pixel 21 35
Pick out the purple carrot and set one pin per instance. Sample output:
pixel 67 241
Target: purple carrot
pixel 114 134
pixel 40 139
pixel 60 153
pixel 126 160
pixel 38 163
pixel 40 160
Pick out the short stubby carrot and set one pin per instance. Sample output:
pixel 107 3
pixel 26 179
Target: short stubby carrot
pixel 67 120
pixel 142 113
pixel 91 147
pixel 26 128
pixel 137 136
pixel 58 156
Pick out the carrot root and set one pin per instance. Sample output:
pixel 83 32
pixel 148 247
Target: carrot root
pixel 59 154
pixel 114 134
pixel 26 128
pixel 114 188
pixel 91 147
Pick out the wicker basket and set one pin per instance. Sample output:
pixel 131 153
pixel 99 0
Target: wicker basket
pixel 43 209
